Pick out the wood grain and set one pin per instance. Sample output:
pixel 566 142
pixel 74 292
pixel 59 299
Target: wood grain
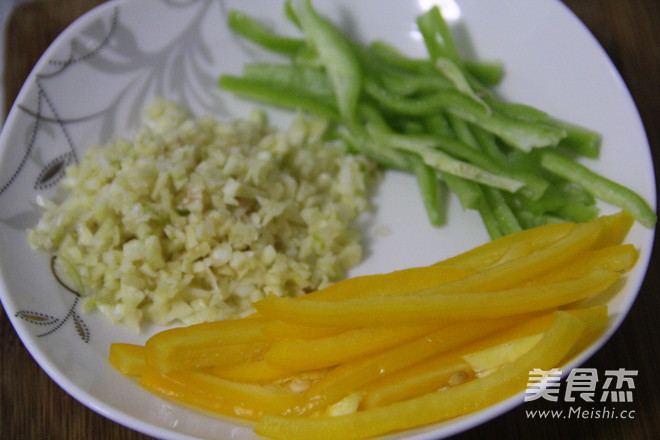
pixel 32 406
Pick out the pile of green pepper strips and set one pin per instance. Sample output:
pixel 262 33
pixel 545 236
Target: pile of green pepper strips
pixel 437 118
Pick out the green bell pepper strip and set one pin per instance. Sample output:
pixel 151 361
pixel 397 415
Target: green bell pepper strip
pixel 523 135
pixel 333 76
pixel 391 56
pixel 356 135
pixel 487 73
pixel 279 95
pixel 442 161
pixel 437 123
pixel 573 193
pixel 454 74
pixel 468 151
pixel 476 153
pixel 429 188
pixel 406 84
pixel 488 144
pixel 580 140
pixel 601 187
pixel 341 63
pixel 253 30
pixel 516 110
pixel 469 193
pixel 551 201
pixel 437 37
pixel 359 142
pixel 503 214
pixel 463 132
pixel 440 43
pixel 456 149
pixel 466 191
pixel 528 220
pixel 488 218
pixel 311 81
pixel 577 139
pixel 577 212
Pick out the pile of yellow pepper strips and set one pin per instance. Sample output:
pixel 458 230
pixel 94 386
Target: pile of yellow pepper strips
pixel 384 353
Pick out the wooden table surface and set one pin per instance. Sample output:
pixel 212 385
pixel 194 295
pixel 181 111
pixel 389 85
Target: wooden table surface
pixel 32 406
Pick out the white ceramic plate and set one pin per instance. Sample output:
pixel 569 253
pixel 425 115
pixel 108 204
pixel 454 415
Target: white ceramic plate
pixel 93 82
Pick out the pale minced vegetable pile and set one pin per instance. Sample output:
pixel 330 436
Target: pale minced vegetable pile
pixel 194 219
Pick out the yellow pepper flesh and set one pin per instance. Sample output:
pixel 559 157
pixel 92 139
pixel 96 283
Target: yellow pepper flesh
pixel 421 309
pixel 128 359
pixel 311 354
pixel 366 356
pixel 204 345
pixel 433 407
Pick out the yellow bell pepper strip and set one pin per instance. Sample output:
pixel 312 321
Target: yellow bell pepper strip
pixel 422 309
pixel 595 317
pixel 509 246
pixel 618 258
pixel 258 371
pixel 455 401
pixel 434 373
pixel 203 390
pixel 209 344
pixel 419 379
pixel 505 249
pixel 128 359
pixel 504 346
pixel 615 228
pixel 275 330
pixel 210 355
pixel 486 361
pixel 397 282
pixel 535 325
pixel 311 354
pixel 597 320
pixel 354 375
pixel 508 274
pixel 167 386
